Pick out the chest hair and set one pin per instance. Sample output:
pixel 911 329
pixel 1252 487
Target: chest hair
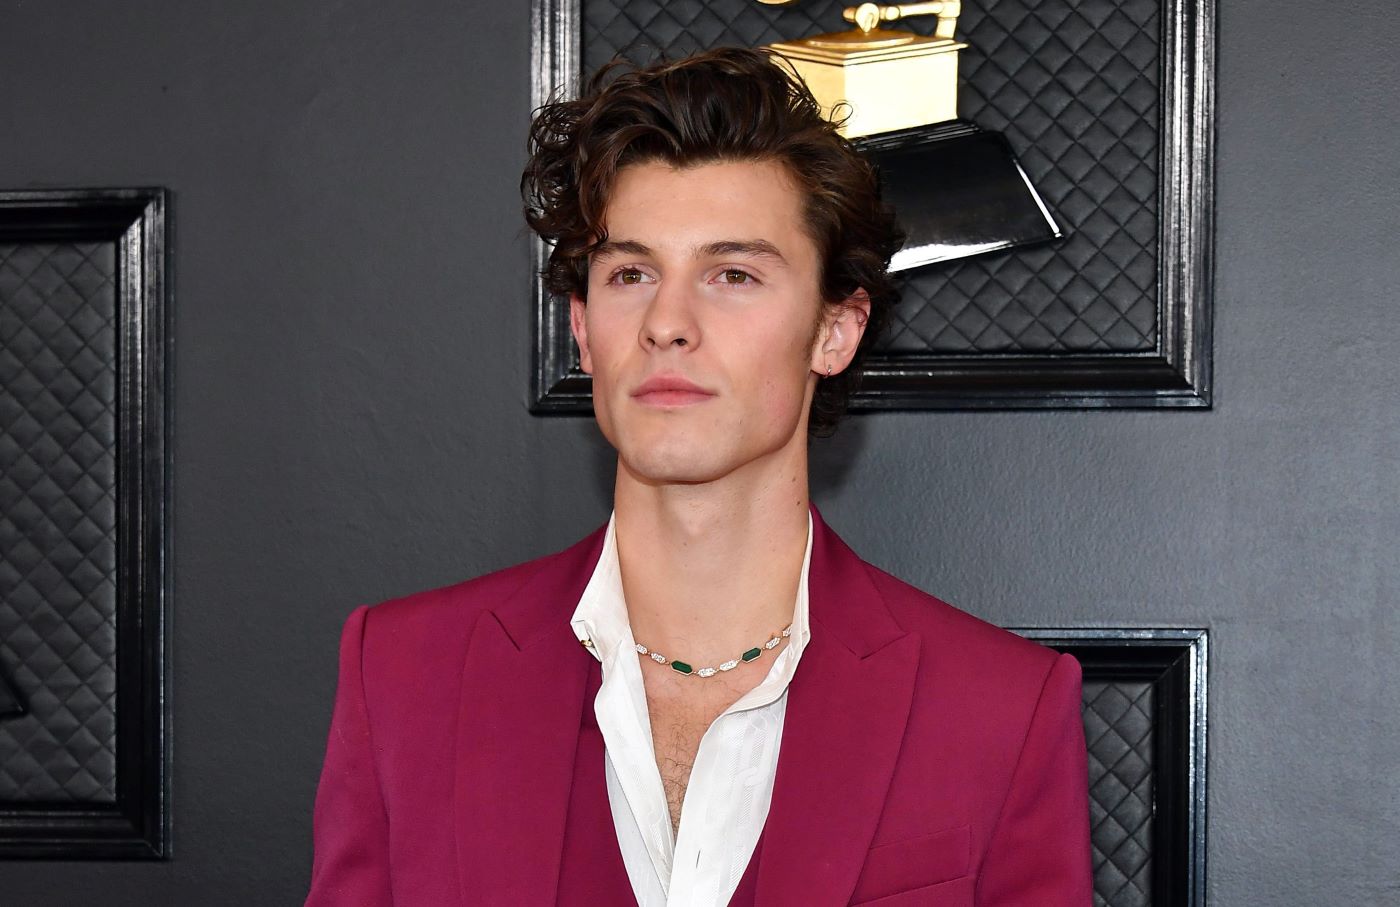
pixel 679 718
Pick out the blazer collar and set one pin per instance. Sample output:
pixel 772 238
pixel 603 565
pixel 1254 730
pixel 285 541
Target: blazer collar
pixel 523 688
pixel 542 605
pixel 841 597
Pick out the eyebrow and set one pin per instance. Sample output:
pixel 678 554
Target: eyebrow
pixel 751 248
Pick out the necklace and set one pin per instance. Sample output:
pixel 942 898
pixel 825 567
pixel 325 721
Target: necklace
pixel 682 667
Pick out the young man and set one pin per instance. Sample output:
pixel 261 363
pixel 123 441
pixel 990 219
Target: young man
pixel 711 700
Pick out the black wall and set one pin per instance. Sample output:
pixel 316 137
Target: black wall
pixel 352 348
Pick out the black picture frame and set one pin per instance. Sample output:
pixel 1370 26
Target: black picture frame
pixel 1174 663
pixel 1175 374
pixel 136 824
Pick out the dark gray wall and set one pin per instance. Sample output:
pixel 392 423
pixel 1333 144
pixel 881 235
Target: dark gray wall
pixel 351 363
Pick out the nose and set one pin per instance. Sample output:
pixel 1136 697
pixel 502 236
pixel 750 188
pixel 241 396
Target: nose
pixel 670 319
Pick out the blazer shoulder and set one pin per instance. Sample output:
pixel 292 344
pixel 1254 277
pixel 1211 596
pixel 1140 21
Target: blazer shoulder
pixel 419 636
pixel 952 632
pixel 452 607
pixel 456 606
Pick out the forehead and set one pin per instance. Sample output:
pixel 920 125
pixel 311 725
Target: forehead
pixel 665 206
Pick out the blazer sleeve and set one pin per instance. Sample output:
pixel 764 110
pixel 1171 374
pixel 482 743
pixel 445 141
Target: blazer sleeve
pixel 1038 853
pixel 350 823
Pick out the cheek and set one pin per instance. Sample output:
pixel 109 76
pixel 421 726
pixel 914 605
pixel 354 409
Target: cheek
pixel 784 360
pixel 605 333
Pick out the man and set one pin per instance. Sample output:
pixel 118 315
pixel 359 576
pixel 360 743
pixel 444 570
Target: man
pixel 711 699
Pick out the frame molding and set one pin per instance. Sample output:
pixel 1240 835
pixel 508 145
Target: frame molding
pixel 137 825
pixel 1176 662
pixel 1177 374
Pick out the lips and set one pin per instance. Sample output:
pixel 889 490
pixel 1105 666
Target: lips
pixel 670 390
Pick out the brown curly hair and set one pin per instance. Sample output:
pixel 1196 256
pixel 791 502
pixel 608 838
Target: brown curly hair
pixel 721 105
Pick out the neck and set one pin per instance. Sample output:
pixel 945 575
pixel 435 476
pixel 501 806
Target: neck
pixel 710 570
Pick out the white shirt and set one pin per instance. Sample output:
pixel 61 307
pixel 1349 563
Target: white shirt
pixel 731 782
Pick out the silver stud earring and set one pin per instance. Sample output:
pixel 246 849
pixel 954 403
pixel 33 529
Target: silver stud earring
pixel 828 369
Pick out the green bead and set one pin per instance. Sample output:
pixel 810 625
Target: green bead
pixel 751 654
pixel 681 666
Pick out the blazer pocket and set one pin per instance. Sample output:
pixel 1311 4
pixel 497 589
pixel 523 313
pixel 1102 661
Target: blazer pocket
pixel 952 893
pixel 914 863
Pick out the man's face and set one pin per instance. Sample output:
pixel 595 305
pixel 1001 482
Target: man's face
pixel 702 319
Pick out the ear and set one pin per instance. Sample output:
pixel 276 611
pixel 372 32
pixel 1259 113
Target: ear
pixel 843 325
pixel 578 324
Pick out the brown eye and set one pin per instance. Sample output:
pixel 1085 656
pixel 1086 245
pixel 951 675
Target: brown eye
pixel 630 275
pixel 734 275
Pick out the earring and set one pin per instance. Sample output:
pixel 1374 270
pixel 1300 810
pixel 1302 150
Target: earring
pixel 828 369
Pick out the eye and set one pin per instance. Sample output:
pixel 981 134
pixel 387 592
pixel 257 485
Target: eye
pixel 627 276
pixel 737 277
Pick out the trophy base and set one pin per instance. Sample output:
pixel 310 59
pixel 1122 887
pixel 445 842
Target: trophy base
pixel 958 190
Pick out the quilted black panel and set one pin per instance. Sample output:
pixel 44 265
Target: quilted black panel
pixel 58 520
pixel 1073 84
pixel 1118 730
pixel 10 703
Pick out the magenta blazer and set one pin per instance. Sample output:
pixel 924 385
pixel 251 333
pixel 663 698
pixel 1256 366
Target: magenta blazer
pixel 928 758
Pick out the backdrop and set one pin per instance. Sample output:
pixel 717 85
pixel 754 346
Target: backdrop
pixel 351 330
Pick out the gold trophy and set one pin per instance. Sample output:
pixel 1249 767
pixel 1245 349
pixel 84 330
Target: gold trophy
pixel 889 79
pixel 959 190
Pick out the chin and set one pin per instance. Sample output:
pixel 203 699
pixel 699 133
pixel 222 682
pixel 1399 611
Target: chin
pixel 675 465
pixel 678 451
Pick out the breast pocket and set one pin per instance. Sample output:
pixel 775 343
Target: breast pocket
pixel 914 863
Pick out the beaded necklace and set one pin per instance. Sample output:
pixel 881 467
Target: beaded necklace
pixel 682 667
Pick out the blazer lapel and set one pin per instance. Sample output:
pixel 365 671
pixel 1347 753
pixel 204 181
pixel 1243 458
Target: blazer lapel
pixel 522 697
pixel 847 708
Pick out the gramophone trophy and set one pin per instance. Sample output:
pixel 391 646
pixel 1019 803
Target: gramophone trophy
pixel 958 189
